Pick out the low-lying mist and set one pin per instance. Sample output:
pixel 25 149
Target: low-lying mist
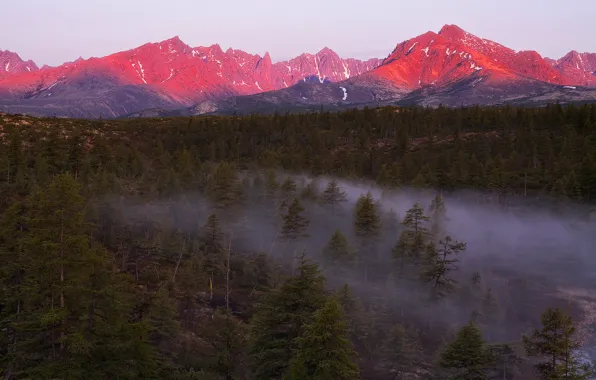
pixel 528 256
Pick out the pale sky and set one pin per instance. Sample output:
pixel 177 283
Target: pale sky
pixel 56 31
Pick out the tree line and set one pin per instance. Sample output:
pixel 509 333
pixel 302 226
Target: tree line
pixel 86 293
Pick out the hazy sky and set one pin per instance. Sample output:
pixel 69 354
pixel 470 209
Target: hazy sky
pixel 55 31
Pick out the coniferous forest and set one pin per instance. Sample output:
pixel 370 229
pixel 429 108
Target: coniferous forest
pixel 390 243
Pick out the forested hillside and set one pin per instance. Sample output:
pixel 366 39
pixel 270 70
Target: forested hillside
pixel 392 243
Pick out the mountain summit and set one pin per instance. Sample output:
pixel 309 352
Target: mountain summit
pixel 171 74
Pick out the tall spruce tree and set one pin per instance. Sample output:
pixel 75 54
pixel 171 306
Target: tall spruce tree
pixel 324 349
pixel 367 223
pixel 280 319
pixel 338 250
pixel 556 345
pixel 333 196
pixel 467 357
pixel 412 246
pixel 441 261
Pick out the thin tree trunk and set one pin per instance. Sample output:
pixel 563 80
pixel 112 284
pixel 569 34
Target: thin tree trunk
pixel 178 263
pixel 228 276
pixel 63 322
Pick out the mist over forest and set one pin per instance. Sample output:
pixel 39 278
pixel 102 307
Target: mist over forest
pixel 530 253
pixel 410 244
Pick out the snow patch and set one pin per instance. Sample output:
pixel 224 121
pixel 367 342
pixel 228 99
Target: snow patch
pixel 412 47
pixel 473 66
pixel 171 74
pixel 570 87
pixel 425 50
pixel 289 68
pixel 447 52
pixel 317 67
pixel 346 70
pixel 142 71
pixel 7 66
pixel 52 86
pixel 259 87
pixel 303 98
pixel 28 68
pixel 345 92
pixel 285 84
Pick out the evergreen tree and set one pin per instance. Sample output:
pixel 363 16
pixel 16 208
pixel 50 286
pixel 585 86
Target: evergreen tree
pixel 441 262
pixel 467 357
pixel 333 195
pixel 356 317
pixel 556 345
pixel 294 224
pixel 324 349
pixel 212 246
pixel 337 250
pixel 367 224
pixel 280 319
pixel 228 337
pixel 223 186
pixel 412 246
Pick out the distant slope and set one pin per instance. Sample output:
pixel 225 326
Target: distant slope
pixel 167 74
pixel 451 67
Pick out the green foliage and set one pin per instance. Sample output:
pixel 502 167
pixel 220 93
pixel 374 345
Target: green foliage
pixel 338 249
pixel 294 224
pixel 324 350
pixel 333 195
pixel 467 357
pixel 555 344
pixel 281 319
pixel 441 261
pixel 412 247
pixel 367 221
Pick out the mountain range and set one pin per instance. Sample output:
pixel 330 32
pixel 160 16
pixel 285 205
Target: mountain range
pixel 451 67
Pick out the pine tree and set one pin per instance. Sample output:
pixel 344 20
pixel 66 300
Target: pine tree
pixel 223 186
pixel 294 224
pixel 337 250
pixel 367 224
pixel 441 262
pixel 467 357
pixel 324 349
pixel 412 246
pixel 333 195
pixel 356 316
pixel 556 345
pixel 228 337
pixel 280 319
pixel 212 246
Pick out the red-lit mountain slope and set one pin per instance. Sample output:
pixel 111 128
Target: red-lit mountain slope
pixel 11 63
pixel 452 55
pixel 177 73
pixel 580 68
pixel 170 74
pixel 451 67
